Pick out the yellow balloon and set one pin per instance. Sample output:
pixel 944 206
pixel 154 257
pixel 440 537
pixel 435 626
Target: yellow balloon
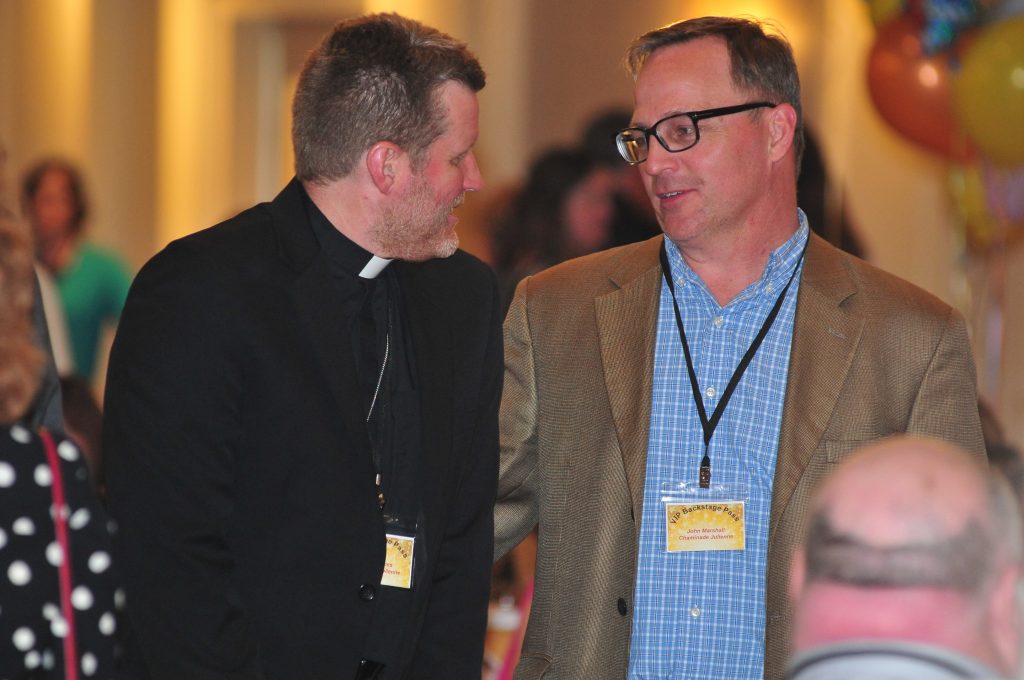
pixel 988 92
pixel 967 187
pixel 884 10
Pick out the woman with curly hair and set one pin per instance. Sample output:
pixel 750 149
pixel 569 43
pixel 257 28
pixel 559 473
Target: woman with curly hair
pixel 57 584
pixel 563 210
pixel 21 361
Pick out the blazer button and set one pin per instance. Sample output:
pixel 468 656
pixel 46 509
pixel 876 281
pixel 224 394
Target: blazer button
pixel 367 592
pixel 622 606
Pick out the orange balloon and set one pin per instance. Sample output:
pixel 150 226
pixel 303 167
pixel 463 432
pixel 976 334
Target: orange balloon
pixel 911 90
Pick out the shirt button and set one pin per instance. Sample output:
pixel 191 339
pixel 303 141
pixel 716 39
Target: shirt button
pixel 367 592
pixel 770 288
pixel 695 612
pixel 718 322
pixel 710 392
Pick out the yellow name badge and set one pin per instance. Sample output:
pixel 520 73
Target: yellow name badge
pixel 398 561
pixel 704 526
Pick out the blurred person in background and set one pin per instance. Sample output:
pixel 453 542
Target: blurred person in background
pixel 83 420
pixel 1002 454
pixel 563 210
pixel 56 322
pixel 45 410
pixel 910 568
pixel 821 201
pixel 634 218
pixel 57 584
pixel 92 282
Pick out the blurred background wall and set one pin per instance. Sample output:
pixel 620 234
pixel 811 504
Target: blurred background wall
pixel 178 112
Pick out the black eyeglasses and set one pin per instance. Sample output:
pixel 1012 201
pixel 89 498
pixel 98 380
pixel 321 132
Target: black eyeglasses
pixel 675 133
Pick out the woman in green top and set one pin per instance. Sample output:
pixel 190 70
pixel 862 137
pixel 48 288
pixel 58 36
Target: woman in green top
pixel 92 282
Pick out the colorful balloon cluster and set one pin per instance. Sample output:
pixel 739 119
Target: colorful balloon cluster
pixel 949 76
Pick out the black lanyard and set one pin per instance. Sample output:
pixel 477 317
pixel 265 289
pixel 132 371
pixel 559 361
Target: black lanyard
pixel 709 425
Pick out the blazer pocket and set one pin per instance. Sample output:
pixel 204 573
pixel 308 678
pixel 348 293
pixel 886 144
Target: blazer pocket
pixel 837 449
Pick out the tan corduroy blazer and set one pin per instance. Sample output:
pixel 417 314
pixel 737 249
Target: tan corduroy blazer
pixel 872 356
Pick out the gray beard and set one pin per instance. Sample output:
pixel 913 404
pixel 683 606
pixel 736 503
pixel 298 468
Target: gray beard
pixel 412 232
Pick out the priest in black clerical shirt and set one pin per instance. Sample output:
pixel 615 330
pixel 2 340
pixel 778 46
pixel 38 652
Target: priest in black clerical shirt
pixel 371 297
pixel 301 405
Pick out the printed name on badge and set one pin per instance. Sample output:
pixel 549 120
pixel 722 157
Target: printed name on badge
pixel 705 526
pixel 398 561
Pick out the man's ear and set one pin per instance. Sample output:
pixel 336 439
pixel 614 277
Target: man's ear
pixel 384 160
pixel 782 128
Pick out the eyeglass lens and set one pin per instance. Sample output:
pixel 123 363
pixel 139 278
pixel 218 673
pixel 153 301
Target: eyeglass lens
pixel 676 133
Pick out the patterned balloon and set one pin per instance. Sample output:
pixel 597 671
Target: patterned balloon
pixel 944 20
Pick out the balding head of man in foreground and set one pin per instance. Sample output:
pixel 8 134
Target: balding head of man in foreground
pixel 910 568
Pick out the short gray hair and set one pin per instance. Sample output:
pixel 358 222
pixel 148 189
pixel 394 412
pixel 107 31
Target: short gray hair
pixel 374 78
pixel 966 561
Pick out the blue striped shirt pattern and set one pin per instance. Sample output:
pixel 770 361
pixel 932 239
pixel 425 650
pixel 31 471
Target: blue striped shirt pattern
pixel 702 614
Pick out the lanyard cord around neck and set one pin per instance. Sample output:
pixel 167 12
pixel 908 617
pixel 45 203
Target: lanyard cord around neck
pixel 707 425
pixel 375 445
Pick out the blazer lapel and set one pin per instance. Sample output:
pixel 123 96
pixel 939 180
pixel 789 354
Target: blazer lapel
pixel 825 339
pixel 316 301
pixel 318 306
pixel 626 324
pixel 430 330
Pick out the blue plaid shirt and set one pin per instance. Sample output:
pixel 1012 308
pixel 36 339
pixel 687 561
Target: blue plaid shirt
pixel 702 614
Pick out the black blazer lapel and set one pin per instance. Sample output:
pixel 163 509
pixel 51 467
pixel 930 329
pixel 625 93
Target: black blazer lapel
pixel 317 305
pixel 430 328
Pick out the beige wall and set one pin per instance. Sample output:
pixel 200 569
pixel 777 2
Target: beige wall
pixel 68 89
pixel 178 111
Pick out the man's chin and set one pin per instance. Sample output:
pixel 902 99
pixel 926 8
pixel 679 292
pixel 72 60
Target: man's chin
pixel 445 249
pixel 450 246
pixel 435 251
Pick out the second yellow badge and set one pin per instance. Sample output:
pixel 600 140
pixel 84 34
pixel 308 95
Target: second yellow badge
pixel 398 561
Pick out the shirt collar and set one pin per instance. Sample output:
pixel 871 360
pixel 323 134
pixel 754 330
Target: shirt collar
pixel 374 267
pixel 344 256
pixel 776 272
pixel 870 656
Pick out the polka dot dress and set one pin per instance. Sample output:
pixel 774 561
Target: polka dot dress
pixel 32 624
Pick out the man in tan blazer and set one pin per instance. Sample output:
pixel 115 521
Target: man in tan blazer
pixel 849 354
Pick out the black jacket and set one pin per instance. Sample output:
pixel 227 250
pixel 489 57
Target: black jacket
pixel 238 463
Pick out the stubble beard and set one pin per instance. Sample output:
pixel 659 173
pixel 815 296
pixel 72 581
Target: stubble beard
pixel 417 230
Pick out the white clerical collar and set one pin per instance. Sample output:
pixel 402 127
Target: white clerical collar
pixel 374 267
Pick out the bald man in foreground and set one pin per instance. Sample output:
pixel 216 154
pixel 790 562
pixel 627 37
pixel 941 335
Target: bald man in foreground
pixel 911 568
